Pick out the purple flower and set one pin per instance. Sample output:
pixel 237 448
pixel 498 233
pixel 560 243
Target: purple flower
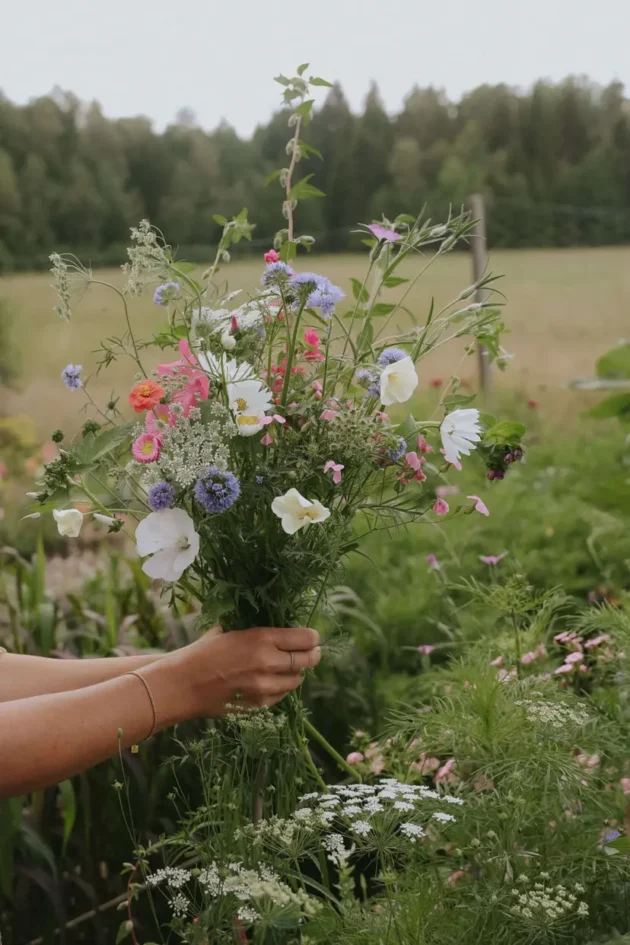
pixel 370 381
pixel 611 835
pixel 166 293
pixel 381 233
pixel 322 293
pixel 70 376
pixel 275 273
pixel 389 355
pixel 492 559
pixel 217 490
pixel 397 452
pixel 161 496
pixel 434 564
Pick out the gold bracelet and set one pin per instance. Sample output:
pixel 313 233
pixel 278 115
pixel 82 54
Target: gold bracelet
pixel 134 672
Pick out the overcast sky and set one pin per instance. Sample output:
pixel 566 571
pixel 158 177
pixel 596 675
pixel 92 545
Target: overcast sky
pixel 152 57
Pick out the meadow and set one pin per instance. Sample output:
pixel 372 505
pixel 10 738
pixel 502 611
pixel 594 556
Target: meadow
pixel 564 307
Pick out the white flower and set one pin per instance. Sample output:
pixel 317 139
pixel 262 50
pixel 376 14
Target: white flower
pixel 228 341
pixel 171 540
pixel 248 402
pixel 104 519
pixel 460 431
pixel 398 382
pixel 224 369
pixel 297 512
pixel 69 521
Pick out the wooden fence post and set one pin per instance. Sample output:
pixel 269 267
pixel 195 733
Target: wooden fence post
pixel 478 242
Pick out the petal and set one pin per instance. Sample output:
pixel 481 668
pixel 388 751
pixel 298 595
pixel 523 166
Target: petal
pixel 162 565
pixel 161 530
pixel 291 523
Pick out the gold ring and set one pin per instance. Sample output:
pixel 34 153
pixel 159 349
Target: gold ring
pixel 292 661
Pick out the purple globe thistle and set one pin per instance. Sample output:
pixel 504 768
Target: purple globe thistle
pixel 370 380
pixel 166 293
pixel 71 376
pixel 397 452
pixel 161 496
pixel 218 490
pixel 322 293
pixel 389 355
pixel 276 273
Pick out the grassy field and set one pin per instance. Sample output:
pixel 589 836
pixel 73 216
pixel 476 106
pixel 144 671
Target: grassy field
pixel 564 309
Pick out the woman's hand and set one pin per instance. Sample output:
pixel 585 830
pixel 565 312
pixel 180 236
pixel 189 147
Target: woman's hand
pixel 255 667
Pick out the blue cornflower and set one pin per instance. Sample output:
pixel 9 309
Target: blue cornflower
pixel 161 496
pixel 70 376
pixel 389 355
pixel 370 380
pixel 277 272
pixel 397 452
pixel 165 293
pixel 217 490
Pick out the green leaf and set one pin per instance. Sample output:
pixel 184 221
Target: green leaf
pixel 322 82
pixel 307 149
pixel 185 267
pixel 366 336
pixel 269 179
pixel 618 405
pixel 124 929
pixel 305 191
pixel 615 363
pixel 458 400
pixel 382 308
pixel 302 69
pixel 304 109
pixel 359 291
pixel 506 432
pixel 68 804
pixel 241 217
pixel 407 428
pixel 97 445
pixel 620 845
pixel 392 281
pixel 282 80
pixel 180 331
pixel 288 251
pixel 222 221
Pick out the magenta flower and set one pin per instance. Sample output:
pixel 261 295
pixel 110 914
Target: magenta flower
pixel 147 447
pixel 434 564
pixel 381 233
pixel 479 505
pixel 492 559
pixel 271 256
pixel 423 446
pixel 440 507
pixel 354 758
pixel 425 649
pixel 336 470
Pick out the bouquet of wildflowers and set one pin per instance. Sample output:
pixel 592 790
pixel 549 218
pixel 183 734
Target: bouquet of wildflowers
pixel 271 441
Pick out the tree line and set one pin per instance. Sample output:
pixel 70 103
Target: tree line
pixel 553 163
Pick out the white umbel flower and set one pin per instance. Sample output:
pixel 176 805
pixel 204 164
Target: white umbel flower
pixel 69 522
pixel 171 540
pixel 249 400
pixel 398 382
pixel 460 432
pixel 224 369
pixel 296 512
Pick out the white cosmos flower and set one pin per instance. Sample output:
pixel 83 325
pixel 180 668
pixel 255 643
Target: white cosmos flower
pixel 69 521
pixel 297 512
pixel 249 400
pixel 224 369
pixel 170 538
pixel 398 382
pixel 460 432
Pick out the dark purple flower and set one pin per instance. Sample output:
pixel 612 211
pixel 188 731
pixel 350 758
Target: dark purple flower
pixel 217 490
pixel 382 233
pixel 70 376
pixel 161 496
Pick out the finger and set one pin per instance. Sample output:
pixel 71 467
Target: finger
pixel 286 682
pixel 295 638
pixel 297 659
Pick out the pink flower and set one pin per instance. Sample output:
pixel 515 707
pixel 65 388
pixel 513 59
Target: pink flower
pixel 267 439
pixel 271 256
pixel 425 765
pixel 434 564
pixel 197 386
pixel 565 637
pixel 159 412
pixel 383 417
pixel 443 491
pixel 425 649
pixel 354 757
pixel 567 668
pixel 527 658
pixel 423 446
pixel 505 675
pixel 625 785
pixel 440 507
pixel 336 470
pixel 382 233
pixel 415 461
pixel 492 559
pixel 445 770
pixel 479 505
pixel 574 657
pixel 455 877
pixel 146 448
pixel 275 418
pixel 497 662
pixel 455 463
pixel 311 338
pixel 602 638
pixel 328 415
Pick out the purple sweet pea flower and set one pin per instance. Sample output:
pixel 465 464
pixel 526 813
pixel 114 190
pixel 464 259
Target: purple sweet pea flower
pixel 381 233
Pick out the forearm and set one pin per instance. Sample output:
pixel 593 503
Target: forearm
pixel 24 676
pixel 48 738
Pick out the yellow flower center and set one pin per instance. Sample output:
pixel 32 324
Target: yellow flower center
pixel 310 513
pixel 145 390
pixel 247 421
pixel 241 404
pixel 147 448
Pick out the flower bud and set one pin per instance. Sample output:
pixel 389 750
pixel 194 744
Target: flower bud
pixel 490 474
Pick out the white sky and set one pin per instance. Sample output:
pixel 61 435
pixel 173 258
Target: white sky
pixel 152 56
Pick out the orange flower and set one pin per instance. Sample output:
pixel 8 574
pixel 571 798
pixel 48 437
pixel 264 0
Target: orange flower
pixel 145 396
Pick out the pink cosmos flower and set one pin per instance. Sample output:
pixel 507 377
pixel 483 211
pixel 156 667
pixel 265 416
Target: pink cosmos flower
pixel 328 415
pixel 423 446
pixel 146 448
pixel 443 491
pixel 440 507
pixel 434 564
pixel 382 233
pixel 336 470
pixel 479 505
pixel 425 649
pixel 565 637
pixel 271 256
pixel 354 757
pixel 274 418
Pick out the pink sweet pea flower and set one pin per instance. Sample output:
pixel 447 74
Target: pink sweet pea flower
pixel 328 415
pixel 271 256
pixel 441 507
pixel 317 387
pixel 382 233
pixel 336 470
pixel 414 461
pixel 492 559
pixel 443 491
pixel 425 649
pixel 479 505
pixel 455 463
pixel 423 446
pixel 354 758
pixel 434 564
pixel 146 448
pixel 267 439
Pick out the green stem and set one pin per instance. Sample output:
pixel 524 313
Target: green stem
pixel 135 355
pixel 334 754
